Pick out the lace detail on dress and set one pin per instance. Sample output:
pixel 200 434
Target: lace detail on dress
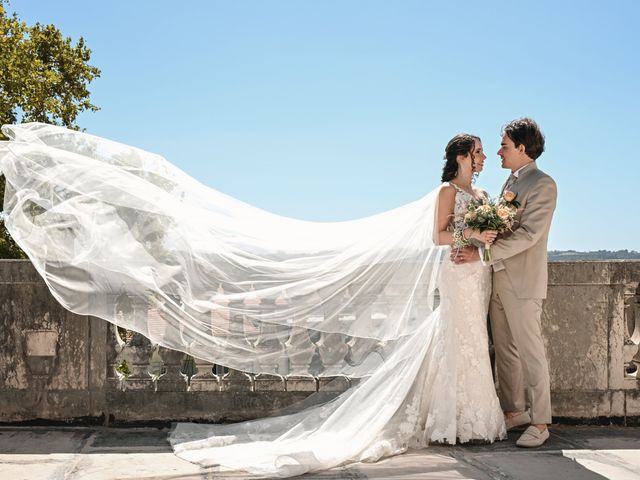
pixel 460 207
pixel 465 291
pixel 411 417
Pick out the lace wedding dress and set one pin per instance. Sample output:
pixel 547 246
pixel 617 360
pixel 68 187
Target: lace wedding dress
pixel 466 291
pixel 438 388
pixel 122 234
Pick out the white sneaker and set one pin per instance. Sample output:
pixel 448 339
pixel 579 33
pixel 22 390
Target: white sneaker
pixel 532 437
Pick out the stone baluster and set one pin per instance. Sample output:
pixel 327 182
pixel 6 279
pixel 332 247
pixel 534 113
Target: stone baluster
pixel 219 371
pixel 188 369
pixel 333 349
pixel 130 362
pixel 283 334
pixel 271 343
pixel 252 326
pixel 364 351
pixel 345 310
pixel 156 325
pixel 379 313
pixel 631 348
pixel 124 316
pixel 205 380
pixel 235 380
pixel 156 368
pixel 301 351
pixel 220 314
pixel 243 329
pixel 123 308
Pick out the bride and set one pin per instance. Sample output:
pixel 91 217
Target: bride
pixel 375 299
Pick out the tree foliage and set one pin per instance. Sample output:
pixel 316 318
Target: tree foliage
pixel 44 77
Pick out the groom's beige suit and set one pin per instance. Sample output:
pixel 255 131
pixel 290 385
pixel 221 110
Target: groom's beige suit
pixel 519 261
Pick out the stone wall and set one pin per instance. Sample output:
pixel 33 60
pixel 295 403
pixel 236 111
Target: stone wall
pixel 57 366
pixel 591 323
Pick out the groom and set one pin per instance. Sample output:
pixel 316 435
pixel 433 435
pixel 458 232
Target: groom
pixel 519 261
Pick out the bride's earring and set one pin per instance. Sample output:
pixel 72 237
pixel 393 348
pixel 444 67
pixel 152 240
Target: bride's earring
pixel 474 174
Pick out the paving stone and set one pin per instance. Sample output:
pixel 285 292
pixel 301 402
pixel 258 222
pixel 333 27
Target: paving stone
pixel 31 467
pixel 143 453
pixel 155 465
pixel 42 440
pixel 420 465
pixel 128 439
pixel 615 464
pixel 533 466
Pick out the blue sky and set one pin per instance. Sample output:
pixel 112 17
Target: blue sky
pixel 337 109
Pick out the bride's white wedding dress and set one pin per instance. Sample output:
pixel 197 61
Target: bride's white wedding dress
pixel 226 282
pixel 466 290
pixel 438 389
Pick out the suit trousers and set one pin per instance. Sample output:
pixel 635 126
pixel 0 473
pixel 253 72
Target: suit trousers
pixel 521 362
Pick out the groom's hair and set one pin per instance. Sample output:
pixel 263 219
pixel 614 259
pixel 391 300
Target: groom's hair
pixel 525 131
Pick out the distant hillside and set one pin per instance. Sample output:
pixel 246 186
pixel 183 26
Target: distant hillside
pixel 570 255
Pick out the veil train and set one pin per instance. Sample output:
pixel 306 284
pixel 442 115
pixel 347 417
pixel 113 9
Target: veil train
pixel 122 234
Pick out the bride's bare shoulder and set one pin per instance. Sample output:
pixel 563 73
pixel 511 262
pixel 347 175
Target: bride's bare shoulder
pixel 447 191
pixel 446 198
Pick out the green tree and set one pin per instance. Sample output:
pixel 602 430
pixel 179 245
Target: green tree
pixel 44 77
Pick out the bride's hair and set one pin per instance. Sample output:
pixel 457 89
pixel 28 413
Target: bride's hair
pixel 461 144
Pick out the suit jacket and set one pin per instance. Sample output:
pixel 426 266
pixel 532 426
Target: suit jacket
pixel 522 253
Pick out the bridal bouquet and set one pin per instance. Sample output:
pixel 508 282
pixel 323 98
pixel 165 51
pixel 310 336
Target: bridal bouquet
pixel 490 214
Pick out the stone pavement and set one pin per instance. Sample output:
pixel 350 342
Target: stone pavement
pixel 97 453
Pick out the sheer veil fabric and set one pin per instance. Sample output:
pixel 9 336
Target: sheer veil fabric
pixel 122 234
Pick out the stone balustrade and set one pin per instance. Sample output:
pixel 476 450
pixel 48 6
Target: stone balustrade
pixel 57 366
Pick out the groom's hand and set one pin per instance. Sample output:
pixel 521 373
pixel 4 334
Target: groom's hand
pixel 465 255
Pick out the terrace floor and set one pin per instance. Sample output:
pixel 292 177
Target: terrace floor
pixel 96 453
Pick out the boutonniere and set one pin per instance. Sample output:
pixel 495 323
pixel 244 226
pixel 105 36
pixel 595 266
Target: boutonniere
pixel 509 197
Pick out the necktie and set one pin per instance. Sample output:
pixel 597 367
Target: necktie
pixel 510 181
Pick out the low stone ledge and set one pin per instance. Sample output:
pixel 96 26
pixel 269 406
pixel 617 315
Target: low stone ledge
pixel 591 327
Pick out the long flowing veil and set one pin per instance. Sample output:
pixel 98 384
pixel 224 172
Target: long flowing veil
pixel 121 234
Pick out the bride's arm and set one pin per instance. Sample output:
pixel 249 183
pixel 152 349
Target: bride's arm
pixel 446 204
